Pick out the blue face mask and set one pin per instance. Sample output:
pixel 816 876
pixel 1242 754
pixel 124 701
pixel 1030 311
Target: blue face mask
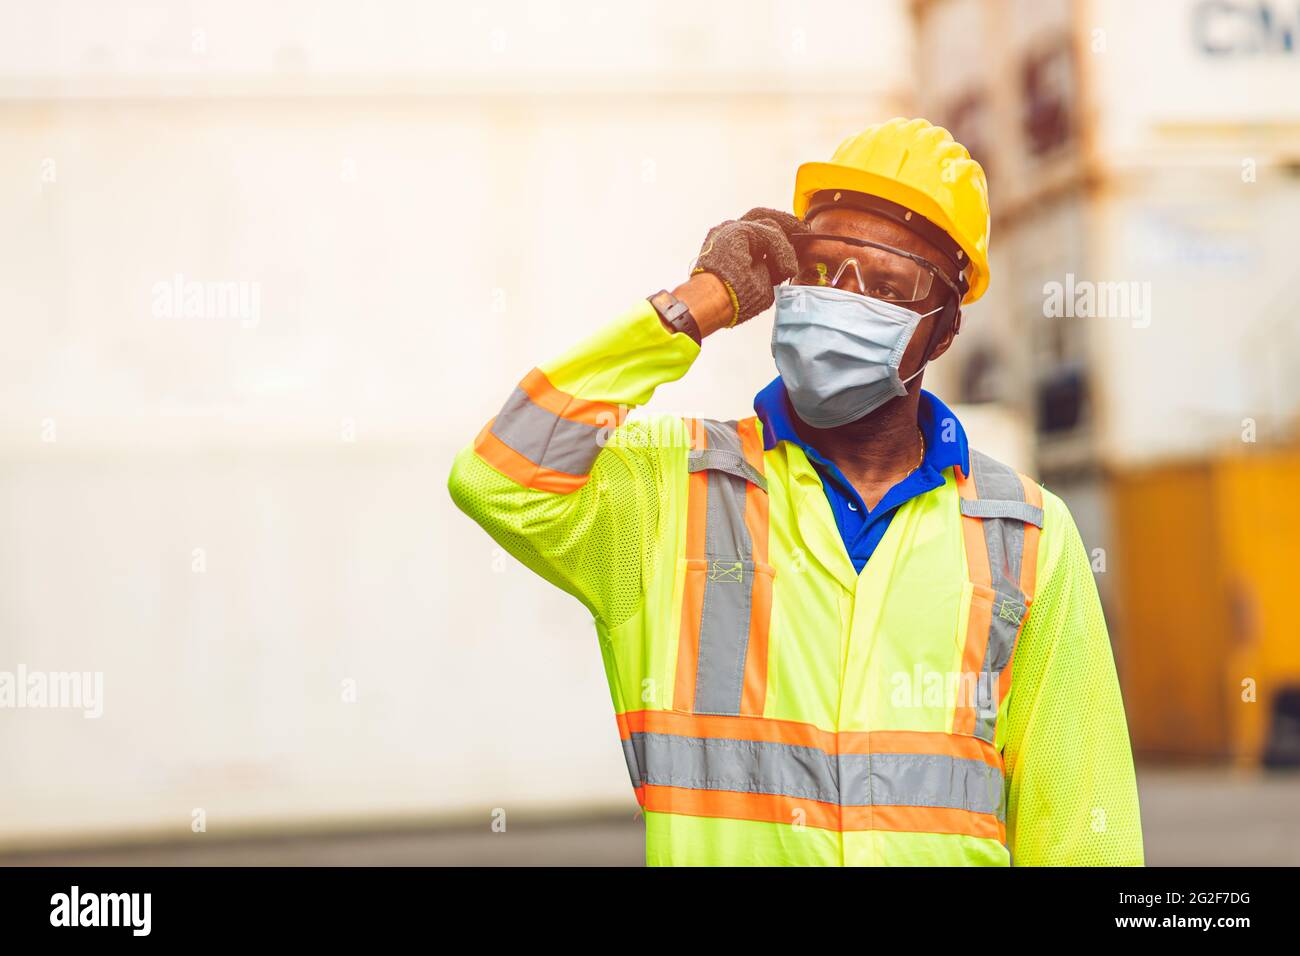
pixel 838 352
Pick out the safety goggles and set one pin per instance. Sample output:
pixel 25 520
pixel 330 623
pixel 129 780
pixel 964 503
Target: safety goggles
pixel 868 268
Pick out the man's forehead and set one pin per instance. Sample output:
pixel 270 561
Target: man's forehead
pixel 860 224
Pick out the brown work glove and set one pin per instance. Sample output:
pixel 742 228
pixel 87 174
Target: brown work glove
pixel 751 255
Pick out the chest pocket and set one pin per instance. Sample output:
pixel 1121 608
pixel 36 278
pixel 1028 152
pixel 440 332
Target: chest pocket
pixel 727 590
pixel 1002 514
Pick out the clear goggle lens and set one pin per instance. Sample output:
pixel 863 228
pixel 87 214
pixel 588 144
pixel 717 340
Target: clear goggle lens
pixel 866 270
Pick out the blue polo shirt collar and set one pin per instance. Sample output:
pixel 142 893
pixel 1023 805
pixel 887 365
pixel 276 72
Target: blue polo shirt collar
pixel 945 445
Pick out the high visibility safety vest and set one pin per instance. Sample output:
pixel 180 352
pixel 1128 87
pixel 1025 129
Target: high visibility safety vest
pixel 955 703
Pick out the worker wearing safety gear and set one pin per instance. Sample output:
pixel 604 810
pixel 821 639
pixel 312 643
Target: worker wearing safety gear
pixel 834 633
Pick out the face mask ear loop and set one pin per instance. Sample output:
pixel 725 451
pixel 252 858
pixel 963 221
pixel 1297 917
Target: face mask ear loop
pixel 946 311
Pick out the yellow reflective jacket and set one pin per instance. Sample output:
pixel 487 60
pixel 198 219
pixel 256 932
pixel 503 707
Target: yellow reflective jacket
pixel 956 703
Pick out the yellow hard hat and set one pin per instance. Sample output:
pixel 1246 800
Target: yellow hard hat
pixel 922 168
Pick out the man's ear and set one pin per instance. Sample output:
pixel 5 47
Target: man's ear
pixel 953 327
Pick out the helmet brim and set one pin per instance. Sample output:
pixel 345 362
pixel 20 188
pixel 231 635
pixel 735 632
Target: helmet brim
pixel 814 177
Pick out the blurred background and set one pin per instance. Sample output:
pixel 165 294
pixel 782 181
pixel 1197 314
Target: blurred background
pixel 266 267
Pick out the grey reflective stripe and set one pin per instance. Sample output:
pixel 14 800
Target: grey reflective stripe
pixel 633 762
pixel 1020 510
pixel 727 461
pixel 849 780
pixel 1004 512
pixel 921 780
pixel 726 536
pixel 723 436
pixel 547 439
pixel 724 637
pixel 740 766
pixel 1005 538
pixel 729 587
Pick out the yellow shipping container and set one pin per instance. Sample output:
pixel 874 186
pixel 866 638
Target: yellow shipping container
pixel 1207 598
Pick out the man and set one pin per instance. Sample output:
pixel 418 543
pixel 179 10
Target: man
pixel 834 633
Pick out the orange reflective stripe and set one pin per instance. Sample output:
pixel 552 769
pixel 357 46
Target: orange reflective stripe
pixel 540 390
pixel 980 617
pixel 519 469
pixel 1004 679
pixel 697 504
pixel 925 820
pixel 972 529
pixel 1029 561
pixel 1028 578
pixel 688 640
pixel 726 804
pixel 751 443
pixel 696 435
pixel 728 727
pixel 778 808
pixel 754 695
pixel 972 658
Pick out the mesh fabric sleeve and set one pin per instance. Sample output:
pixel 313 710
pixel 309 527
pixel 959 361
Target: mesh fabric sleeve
pixel 562 481
pixel 1071 791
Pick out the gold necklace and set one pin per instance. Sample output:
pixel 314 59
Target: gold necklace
pixel 920 461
